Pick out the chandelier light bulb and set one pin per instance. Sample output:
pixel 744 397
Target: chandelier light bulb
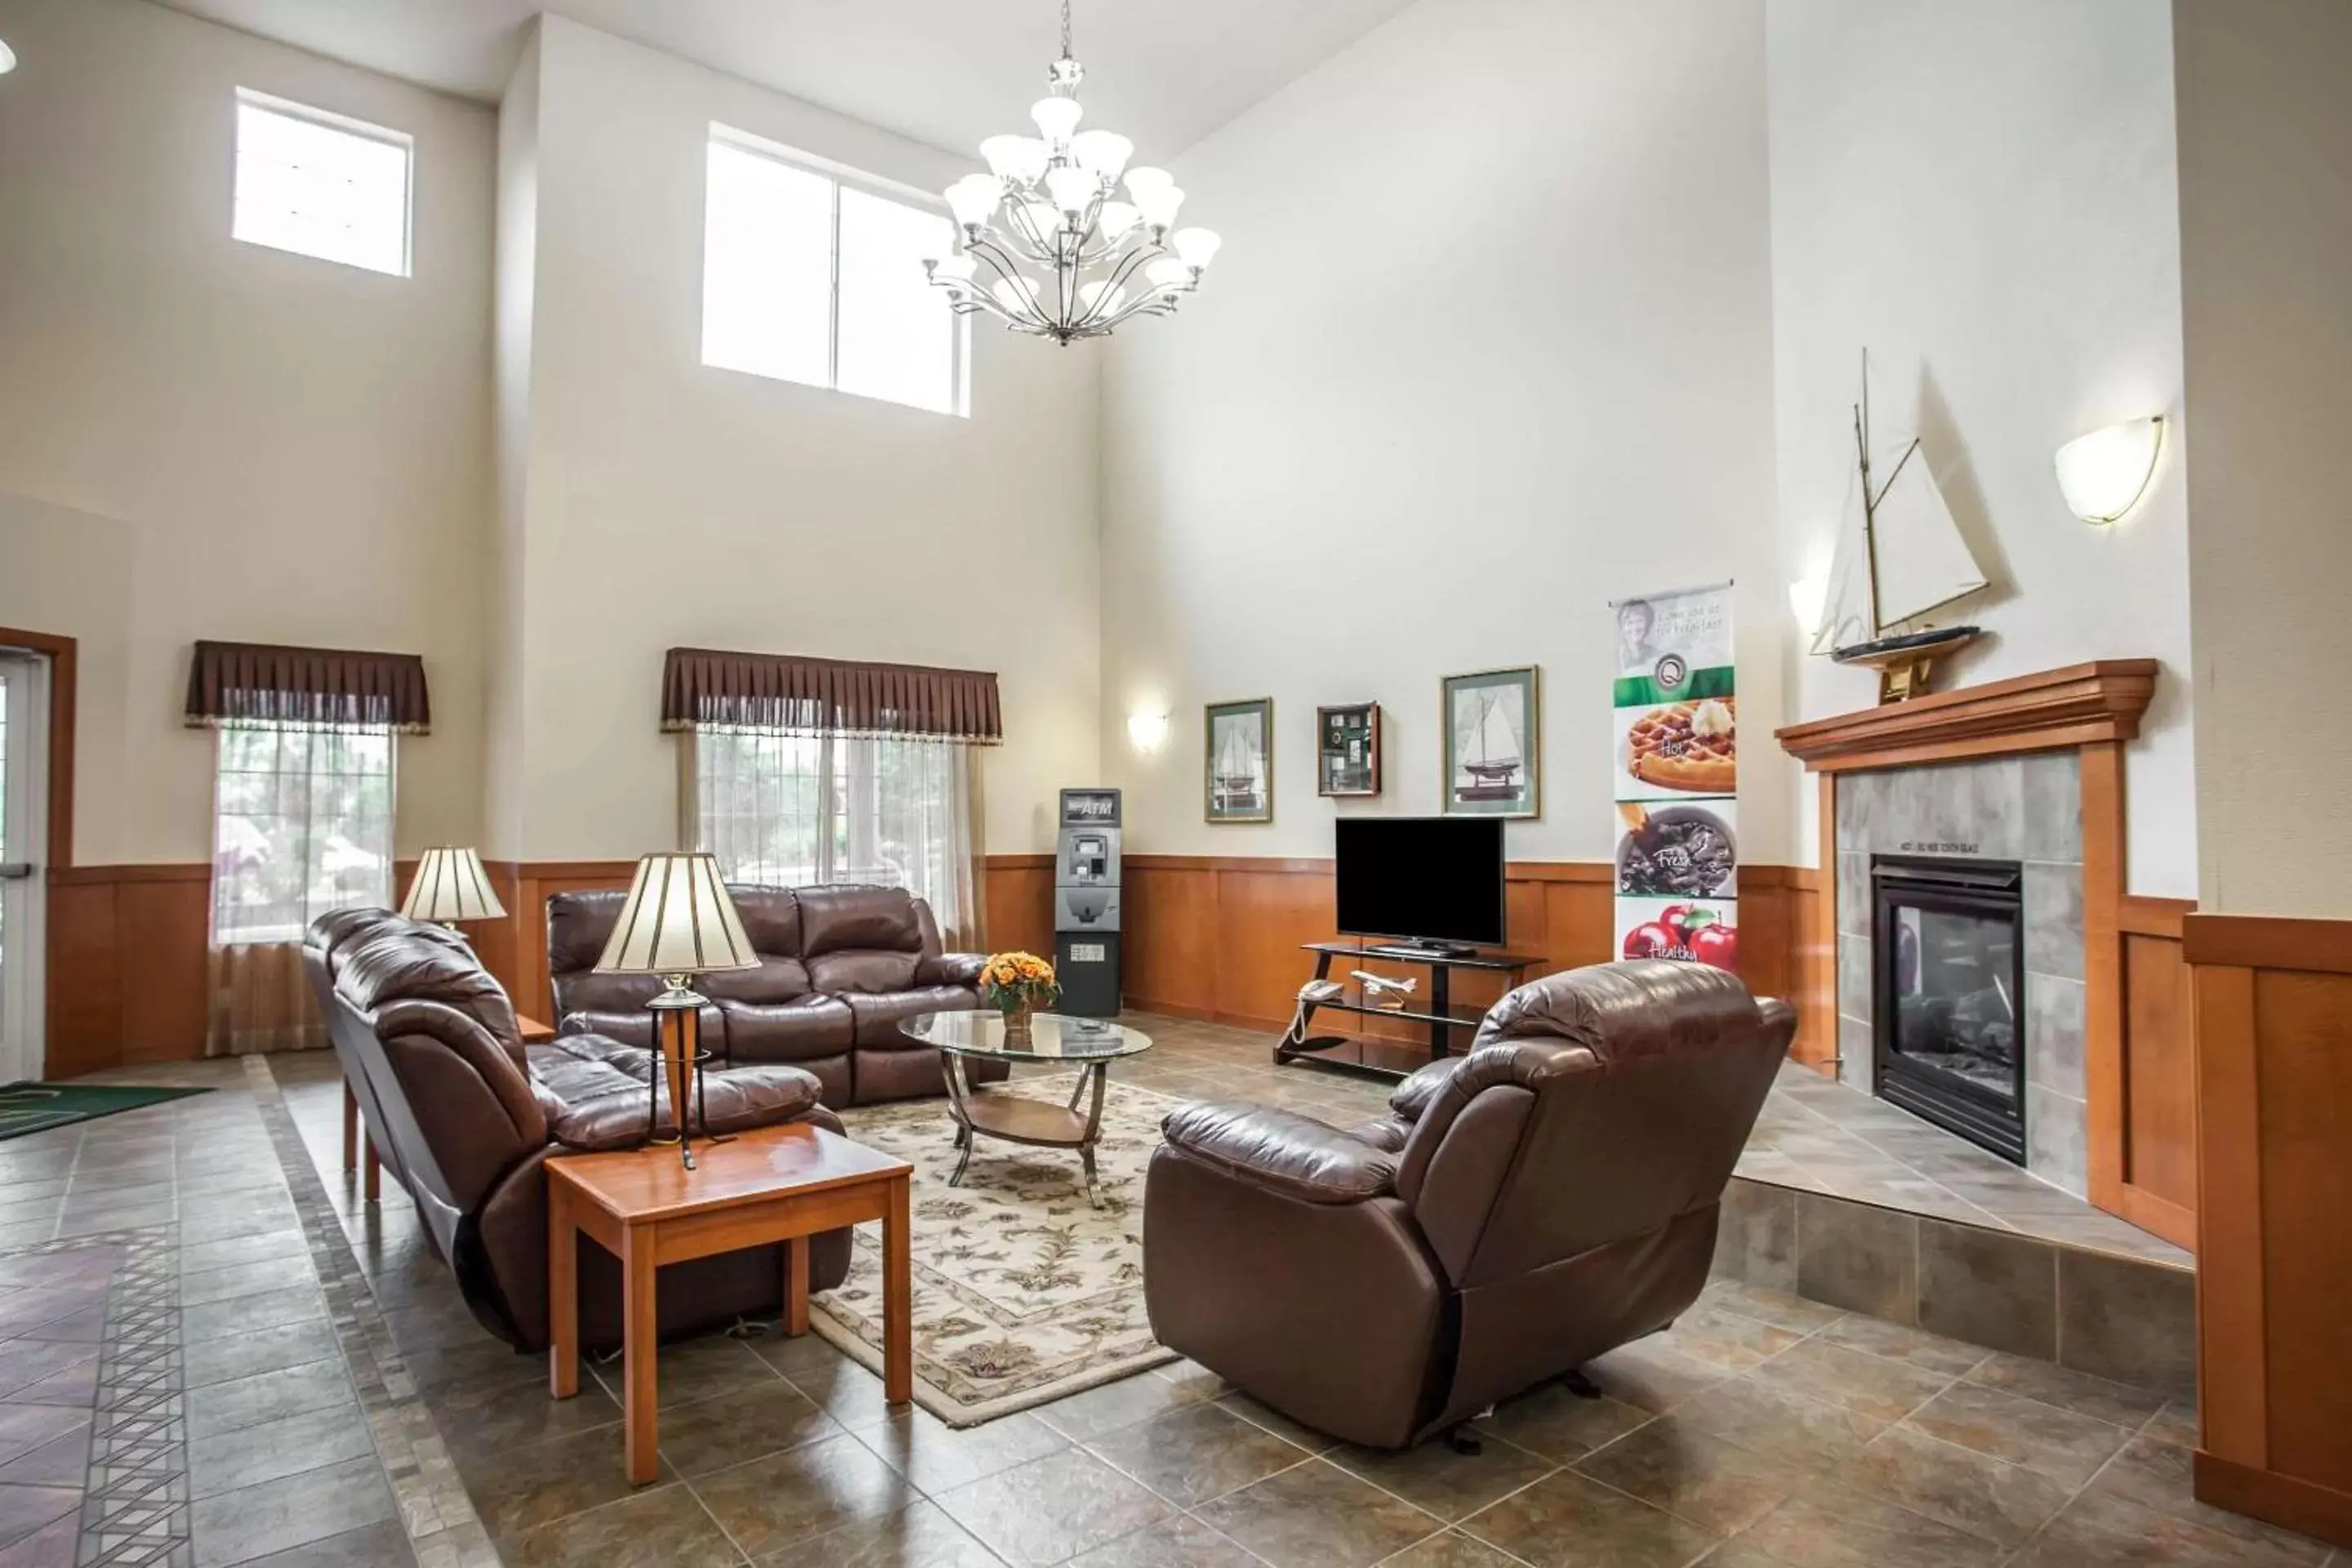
pixel 1088 293
pixel 1073 191
pixel 1158 204
pixel 1103 154
pixel 1043 219
pixel 1169 275
pixel 1198 247
pixel 1019 158
pixel 973 198
pixel 1148 178
pixel 1057 118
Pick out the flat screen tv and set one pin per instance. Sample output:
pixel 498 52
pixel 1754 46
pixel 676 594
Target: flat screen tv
pixel 1430 880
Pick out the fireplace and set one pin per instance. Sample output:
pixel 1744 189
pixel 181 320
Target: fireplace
pixel 1948 974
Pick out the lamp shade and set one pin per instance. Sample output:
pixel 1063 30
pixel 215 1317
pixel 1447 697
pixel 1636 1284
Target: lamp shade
pixel 678 920
pixel 451 885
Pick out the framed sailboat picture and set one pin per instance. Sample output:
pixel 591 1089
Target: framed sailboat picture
pixel 1493 743
pixel 1348 749
pixel 1238 767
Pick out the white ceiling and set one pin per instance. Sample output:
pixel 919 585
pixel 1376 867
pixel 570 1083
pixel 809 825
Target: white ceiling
pixel 948 72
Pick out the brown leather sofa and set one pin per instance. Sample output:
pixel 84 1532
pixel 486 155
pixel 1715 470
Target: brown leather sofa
pixel 1525 1207
pixel 464 1116
pixel 840 967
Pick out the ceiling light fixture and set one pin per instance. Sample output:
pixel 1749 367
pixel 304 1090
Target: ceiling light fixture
pixel 1046 245
pixel 8 57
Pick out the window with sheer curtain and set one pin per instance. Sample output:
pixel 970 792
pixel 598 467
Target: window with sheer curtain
pixel 302 823
pixel 793 810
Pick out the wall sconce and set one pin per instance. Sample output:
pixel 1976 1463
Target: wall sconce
pixel 8 57
pixel 1146 731
pixel 2104 474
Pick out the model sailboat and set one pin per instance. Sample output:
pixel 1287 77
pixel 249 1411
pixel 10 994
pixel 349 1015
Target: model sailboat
pixel 1494 765
pixel 1236 780
pixel 1900 557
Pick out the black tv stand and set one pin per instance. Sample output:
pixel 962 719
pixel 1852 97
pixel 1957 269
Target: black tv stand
pixel 1394 1058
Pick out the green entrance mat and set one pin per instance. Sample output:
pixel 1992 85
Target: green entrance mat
pixel 38 1107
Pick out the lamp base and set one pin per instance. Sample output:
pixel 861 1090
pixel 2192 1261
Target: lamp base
pixel 677 1025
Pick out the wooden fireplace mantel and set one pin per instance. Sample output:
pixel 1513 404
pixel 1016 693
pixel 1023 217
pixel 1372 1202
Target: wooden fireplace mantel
pixel 2078 705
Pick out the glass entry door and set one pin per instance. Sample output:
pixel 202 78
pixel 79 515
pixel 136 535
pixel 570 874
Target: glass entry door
pixel 24 776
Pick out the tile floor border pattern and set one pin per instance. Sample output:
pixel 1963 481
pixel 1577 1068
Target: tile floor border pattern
pixel 434 1510
pixel 135 1488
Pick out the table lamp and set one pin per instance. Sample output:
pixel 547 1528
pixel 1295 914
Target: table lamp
pixel 451 886
pixel 676 923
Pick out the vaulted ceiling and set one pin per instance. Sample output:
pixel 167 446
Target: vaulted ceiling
pixel 948 72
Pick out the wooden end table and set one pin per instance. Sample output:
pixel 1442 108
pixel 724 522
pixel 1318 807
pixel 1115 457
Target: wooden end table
pixel 775 1185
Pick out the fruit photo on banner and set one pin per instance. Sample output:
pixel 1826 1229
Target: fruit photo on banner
pixel 1675 745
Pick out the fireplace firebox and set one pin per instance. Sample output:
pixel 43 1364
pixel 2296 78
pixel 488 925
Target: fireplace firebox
pixel 1949 954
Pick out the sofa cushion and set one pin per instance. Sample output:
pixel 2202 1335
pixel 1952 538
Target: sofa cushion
pixel 775 980
pixel 799 1030
pixel 837 920
pixel 403 965
pixel 772 918
pixel 730 1100
pixel 864 969
pixel 878 1017
pixel 578 924
pixel 588 992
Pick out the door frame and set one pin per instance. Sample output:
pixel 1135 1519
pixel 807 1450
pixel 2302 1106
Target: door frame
pixel 61 652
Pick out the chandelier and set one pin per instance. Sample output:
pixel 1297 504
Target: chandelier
pixel 1044 245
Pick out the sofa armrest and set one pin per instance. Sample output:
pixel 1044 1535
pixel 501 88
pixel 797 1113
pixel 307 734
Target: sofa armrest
pixel 734 1099
pixel 1423 1086
pixel 631 1028
pixel 951 969
pixel 1282 1152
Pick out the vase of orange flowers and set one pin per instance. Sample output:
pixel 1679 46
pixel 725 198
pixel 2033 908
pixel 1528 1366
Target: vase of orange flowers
pixel 1018 985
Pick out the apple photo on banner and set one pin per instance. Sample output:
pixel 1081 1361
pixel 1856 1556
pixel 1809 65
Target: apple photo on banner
pixel 1677 847
pixel 1703 930
pixel 1690 747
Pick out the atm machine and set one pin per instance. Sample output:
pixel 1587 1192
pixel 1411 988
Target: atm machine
pixel 1085 903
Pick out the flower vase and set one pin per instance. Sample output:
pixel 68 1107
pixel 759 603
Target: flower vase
pixel 1016 1023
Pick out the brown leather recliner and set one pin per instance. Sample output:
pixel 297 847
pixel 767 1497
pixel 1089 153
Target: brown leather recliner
pixel 464 1116
pixel 839 969
pixel 1547 1197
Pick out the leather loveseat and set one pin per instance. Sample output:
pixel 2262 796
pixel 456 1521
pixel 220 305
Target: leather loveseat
pixel 464 1116
pixel 1550 1195
pixel 840 967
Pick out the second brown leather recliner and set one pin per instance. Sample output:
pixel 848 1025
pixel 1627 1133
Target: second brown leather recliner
pixel 1526 1207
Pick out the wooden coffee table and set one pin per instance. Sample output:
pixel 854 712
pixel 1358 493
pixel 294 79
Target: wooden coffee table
pixel 775 1185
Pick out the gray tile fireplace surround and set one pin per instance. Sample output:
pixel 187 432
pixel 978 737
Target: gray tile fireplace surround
pixel 2024 808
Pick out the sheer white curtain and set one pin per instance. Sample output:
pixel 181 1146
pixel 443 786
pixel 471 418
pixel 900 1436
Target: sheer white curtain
pixel 794 809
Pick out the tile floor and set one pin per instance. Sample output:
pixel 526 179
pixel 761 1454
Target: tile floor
pixel 332 1390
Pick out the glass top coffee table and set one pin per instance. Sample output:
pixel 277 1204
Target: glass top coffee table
pixel 1090 1044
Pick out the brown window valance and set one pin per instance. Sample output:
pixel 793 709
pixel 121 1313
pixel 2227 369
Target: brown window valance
pixel 255 683
pixel 829 696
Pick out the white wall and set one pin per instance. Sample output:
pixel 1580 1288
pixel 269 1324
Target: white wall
pixel 666 503
pixel 1489 344
pixel 1985 193
pixel 202 438
pixel 2267 223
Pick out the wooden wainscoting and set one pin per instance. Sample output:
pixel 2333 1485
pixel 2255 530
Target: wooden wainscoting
pixel 1218 937
pixel 2274 1186
pixel 2148 1173
pixel 127 981
pixel 1017 904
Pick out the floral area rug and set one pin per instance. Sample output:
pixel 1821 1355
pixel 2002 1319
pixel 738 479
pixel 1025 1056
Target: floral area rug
pixel 1024 1293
